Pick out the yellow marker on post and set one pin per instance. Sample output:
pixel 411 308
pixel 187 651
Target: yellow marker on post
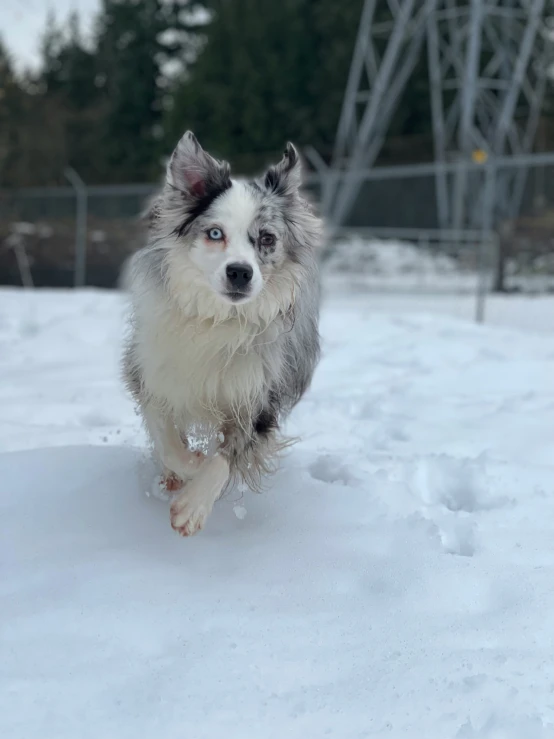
pixel 479 156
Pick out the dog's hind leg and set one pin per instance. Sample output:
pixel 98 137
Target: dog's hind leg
pixel 254 447
pixel 191 508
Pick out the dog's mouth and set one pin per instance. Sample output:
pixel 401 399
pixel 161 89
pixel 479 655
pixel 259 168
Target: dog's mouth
pixel 237 296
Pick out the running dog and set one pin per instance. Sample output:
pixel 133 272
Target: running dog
pixel 224 323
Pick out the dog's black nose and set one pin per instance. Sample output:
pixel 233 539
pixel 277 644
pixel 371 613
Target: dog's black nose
pixel 239 275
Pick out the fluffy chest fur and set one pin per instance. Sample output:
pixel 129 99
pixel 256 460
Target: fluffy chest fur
pixel 205 370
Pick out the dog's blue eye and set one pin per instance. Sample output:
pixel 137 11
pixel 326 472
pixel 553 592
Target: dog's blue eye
pixel 215 234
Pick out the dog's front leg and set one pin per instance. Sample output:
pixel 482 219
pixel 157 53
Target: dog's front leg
pixel 191 508
pixel 179 462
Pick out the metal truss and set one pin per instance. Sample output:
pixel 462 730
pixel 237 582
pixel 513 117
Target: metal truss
pixel 388 46
pixel 488 66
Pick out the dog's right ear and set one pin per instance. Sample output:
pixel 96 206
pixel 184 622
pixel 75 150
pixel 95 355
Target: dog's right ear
pixel 194 172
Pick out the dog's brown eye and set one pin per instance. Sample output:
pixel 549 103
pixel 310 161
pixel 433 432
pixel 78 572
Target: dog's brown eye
pixel 267 240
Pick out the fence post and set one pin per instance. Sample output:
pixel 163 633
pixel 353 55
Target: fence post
pixel 23 264
pixel 485 240
pixel 500 257
pixel 80 226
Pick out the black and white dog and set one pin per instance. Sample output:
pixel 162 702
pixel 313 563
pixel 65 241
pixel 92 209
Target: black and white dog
pixel 224 337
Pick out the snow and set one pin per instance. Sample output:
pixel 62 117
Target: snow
pixel 396 579
pixel 434 267
pixel 394 264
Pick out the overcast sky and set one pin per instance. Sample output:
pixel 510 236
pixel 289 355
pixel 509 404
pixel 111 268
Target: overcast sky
pixel 22 21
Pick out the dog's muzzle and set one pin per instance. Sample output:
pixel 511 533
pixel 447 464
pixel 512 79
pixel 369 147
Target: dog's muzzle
pixel 239 277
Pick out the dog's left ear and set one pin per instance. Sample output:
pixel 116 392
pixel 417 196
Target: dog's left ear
pixel 194 172
pixel 286 177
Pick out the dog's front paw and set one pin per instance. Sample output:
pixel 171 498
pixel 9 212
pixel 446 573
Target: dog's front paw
pixel 188 515
pixel 190 509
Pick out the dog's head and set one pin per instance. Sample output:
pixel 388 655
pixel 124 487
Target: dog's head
pixel 234 235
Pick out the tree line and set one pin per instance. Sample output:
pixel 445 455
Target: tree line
pixel 245 75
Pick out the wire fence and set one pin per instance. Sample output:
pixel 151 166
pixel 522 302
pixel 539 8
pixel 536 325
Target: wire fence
pixel 44 224
pixel 394 237
pixel 399 203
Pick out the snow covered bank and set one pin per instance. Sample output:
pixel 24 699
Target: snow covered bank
pixel 392 264
pixel 395 580
pixel 402 266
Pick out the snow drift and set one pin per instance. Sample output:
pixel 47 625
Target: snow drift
pixel 395 579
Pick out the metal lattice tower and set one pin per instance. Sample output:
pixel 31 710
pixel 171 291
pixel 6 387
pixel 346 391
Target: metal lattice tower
pixel 488 62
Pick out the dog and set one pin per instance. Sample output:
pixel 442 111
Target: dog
pixel 224 310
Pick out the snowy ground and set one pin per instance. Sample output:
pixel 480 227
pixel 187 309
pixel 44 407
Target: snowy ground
pixel 449 268
pixel 396 580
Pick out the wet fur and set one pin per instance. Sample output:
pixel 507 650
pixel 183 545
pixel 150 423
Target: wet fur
pixel 193 358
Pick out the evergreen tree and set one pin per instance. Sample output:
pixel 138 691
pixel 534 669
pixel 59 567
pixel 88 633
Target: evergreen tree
pixel 268 72
pixel 135 40
pixel 31 140
pixel 68 86
pixel 68 67
pixel 11 100
pixel 280 71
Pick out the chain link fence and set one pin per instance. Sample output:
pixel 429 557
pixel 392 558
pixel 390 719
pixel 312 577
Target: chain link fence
pixel 41 225
pixel 393 237
pixel 404 204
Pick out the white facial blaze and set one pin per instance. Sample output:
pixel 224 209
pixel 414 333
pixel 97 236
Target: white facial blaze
pixel 233 213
